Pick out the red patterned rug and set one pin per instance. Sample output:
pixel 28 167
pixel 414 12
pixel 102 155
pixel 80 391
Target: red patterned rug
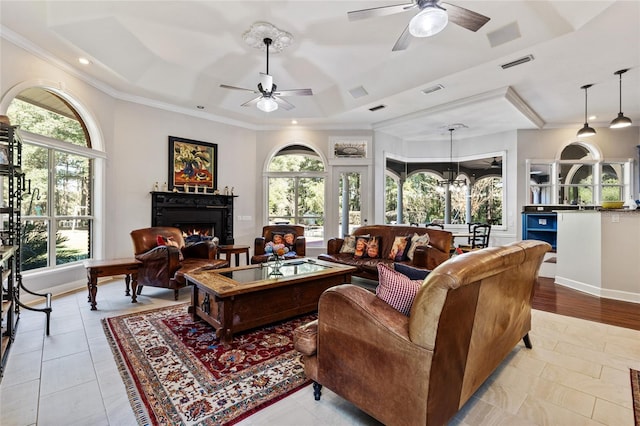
pixel 177 372
pixel 635 393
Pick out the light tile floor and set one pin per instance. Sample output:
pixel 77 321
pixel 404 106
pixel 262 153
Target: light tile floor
pixel 576 374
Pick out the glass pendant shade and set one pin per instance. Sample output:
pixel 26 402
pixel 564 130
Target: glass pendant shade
pixel 620 121
pixel 267 105
pixel 430 21
pixel 586 130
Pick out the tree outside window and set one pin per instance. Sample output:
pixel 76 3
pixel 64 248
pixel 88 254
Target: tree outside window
pixel 56 209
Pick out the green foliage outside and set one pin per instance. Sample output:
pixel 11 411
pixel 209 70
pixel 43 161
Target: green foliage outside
pixel 424 203
pixel 72 184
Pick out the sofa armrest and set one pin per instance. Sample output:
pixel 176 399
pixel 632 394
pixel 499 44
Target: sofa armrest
pixel 300 246
pixel 258 246
pixel 305 338
pixel 428 257
pixel 334 245
pixel 161 261
pixel 201 250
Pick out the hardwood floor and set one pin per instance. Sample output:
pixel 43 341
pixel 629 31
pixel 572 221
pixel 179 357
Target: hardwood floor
pixel 561 300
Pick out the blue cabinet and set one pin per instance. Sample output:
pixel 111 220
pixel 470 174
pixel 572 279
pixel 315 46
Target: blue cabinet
pixel 541 226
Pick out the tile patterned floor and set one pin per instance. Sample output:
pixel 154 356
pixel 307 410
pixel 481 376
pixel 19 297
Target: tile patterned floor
pixel 576 374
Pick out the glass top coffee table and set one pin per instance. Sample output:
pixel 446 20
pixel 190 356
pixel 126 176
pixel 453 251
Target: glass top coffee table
pixel 241 298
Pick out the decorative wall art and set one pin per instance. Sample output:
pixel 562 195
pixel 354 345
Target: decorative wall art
pixel 192 163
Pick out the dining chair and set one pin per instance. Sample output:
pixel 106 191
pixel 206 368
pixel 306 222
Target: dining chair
pixel 479 237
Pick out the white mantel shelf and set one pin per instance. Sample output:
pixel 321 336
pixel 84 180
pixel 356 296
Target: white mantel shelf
pixel 599 252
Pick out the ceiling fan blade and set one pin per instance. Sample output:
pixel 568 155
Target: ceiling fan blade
pixel 374 12
pixel 252 102
pixel 466 18
pixel 283 104
pixel 226 86
pixel 403 40
pixel 294 92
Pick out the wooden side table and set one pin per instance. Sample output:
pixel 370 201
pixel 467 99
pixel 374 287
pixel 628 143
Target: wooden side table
pixel 109 268
pixel 228 250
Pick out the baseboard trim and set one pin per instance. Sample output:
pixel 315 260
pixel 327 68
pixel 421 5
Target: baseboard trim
pixel 623 296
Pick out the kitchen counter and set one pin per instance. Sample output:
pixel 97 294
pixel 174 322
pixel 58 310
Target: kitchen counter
pixel 599 252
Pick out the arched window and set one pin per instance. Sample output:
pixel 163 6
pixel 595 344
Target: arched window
pixel 58 164
pixel 296 182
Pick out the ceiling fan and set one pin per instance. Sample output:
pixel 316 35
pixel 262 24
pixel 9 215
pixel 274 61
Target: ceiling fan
pixel 269 98
pixel 495 164
pixel 432 17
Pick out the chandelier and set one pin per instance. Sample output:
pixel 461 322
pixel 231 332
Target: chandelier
pixel 451 182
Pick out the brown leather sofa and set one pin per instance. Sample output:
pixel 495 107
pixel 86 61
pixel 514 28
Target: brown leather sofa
pixel 300 243
pixel 425 257
pixel 420 369
pixel 165 265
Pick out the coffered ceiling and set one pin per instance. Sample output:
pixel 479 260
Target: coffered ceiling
pixel 176 54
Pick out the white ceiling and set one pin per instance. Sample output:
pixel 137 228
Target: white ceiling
pixel 175 54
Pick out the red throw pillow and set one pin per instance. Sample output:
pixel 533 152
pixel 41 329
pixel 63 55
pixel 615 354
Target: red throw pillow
pixel 160 241
pixel 396 289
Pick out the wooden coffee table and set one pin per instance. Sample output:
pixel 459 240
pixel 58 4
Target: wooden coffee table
pixel 241 298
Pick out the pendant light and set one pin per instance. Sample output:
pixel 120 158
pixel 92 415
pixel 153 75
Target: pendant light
pixel 620 121
pixel 586 131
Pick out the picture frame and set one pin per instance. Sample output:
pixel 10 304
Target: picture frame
pixel 192 163
pixel 348 147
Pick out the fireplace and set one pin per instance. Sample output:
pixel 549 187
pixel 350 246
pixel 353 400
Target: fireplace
pixel 206 214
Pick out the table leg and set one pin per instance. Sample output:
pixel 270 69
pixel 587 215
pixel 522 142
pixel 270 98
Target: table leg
pixel 88 285
pixel 127 280
pixel 93 291
pixel 134 287
pixel 237 259
pixel 247 253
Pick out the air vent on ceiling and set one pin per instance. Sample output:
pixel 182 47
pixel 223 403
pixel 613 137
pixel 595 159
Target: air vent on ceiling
pixel 358 92
pixel 375 108
pixel 432 89
pixel 522 60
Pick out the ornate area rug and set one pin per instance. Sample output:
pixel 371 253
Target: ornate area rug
pixel 178 373
pixel 635 394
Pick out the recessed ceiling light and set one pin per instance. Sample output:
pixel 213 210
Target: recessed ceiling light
pixel 593 117
pixel 84 61
pixel 294 121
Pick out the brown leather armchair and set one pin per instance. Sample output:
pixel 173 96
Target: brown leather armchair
pixel 165 265
pixel 268 231
pixel 467 317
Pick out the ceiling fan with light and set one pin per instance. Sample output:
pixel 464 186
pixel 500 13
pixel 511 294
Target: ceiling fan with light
pixel 432 18
pixel 495 163
pixel 269 99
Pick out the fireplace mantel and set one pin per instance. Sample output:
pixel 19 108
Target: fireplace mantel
pixel 181 209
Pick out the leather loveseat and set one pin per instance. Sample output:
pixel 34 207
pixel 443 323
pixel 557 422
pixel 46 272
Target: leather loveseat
pixel 467 317
pixel 425 257
pixel 164 265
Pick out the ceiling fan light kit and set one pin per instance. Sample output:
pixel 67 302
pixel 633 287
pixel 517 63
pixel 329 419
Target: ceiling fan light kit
pixel 267 105
pixel 586 130
pixel 429 22
pixel 620 121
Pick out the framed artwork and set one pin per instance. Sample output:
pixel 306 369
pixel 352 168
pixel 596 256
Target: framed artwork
pixel 348 147
pixel 192 163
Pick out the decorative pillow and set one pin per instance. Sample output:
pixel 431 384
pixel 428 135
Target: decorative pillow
pixel 361 246
pixel 417 240
pixel 396 289
pixel 411 272
pixel 160 240
pixel 349 244
pixel 290 240
pixel 277 238
pixel 398 249
pixel 373 248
